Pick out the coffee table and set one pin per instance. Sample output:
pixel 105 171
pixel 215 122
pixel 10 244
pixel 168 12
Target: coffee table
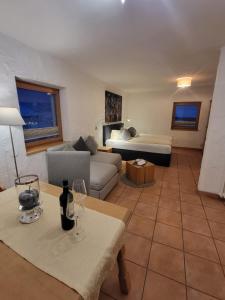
pixel 21 280
pixel 140 175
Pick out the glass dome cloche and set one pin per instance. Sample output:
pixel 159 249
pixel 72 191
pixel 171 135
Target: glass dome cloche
pixel 28 190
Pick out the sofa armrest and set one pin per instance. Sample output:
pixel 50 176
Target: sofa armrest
pixel 68 165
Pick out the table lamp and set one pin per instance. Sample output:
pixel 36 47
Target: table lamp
pixel 10 116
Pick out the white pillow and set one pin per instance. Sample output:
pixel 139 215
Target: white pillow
pixel 125 134
pixel 116 135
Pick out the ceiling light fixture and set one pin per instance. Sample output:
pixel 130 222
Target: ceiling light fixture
pixel 123 1
pixel 184 82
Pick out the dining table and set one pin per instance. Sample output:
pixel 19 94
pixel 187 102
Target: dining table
pixel 21 280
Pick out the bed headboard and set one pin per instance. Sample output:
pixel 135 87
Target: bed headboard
pixel 108 128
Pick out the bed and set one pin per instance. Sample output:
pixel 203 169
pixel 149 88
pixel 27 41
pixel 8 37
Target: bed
pixel 153 148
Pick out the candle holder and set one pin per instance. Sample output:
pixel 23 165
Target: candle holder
pixel 28 190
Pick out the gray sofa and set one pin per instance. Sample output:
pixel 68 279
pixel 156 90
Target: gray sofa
pixel 100 171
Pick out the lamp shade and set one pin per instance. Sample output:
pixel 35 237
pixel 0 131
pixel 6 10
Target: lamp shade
pixel 10 116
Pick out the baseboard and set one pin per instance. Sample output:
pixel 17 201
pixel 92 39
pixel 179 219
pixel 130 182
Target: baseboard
pixel 211 195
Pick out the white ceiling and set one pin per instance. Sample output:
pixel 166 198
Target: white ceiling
pixel 142 45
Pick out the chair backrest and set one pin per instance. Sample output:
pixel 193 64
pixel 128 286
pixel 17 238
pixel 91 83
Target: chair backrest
pixel 68 165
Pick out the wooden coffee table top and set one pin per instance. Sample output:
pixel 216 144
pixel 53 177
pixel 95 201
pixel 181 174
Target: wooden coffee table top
pixel 140 175
pixel 148 164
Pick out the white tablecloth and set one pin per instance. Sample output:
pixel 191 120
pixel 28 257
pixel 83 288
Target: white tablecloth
pixel 81 265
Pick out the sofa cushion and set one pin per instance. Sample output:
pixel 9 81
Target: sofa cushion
pixel 101 174
pixel 57 148
pixel 68 147
pixel 80 145
pixel 109 158
pixel 91 144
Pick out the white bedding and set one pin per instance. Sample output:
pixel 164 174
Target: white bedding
pixel 144 142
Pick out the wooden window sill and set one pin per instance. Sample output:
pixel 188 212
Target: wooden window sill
pixel 42 148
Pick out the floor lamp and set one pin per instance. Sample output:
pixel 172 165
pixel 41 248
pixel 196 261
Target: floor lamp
pixel 10 116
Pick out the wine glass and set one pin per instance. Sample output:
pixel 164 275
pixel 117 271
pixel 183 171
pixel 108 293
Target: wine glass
pixel 80 193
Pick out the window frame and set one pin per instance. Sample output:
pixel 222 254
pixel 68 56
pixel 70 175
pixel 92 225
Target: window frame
pixel 46 89
pixel 174 126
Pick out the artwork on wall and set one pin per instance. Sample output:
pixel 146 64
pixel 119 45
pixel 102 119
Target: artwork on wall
pixel 113 107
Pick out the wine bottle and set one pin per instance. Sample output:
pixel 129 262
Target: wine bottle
pixel 66 207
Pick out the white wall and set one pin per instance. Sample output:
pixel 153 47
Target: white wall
pixel 82 103
pixel 212 175
pixel 152 113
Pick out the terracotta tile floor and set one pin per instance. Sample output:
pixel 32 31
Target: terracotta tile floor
pixel 175 239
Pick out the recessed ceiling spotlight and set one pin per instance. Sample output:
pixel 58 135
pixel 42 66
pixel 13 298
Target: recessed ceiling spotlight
pixel 184 82
pixel 123 1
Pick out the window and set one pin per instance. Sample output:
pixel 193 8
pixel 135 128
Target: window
pixel 186 115
pixel 40 109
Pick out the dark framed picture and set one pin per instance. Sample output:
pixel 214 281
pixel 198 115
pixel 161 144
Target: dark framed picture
pixel 186 115
pixel 113 107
